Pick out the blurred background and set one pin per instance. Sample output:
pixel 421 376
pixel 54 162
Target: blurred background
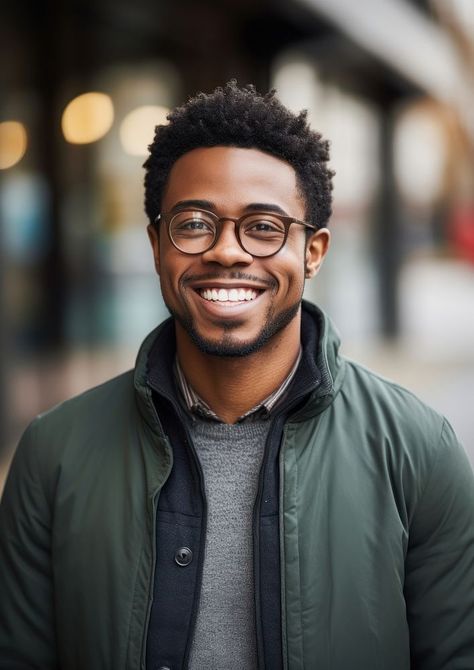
pixel 83 83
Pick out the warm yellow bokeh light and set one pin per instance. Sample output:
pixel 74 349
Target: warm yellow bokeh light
pixel 87 118
pixel 13 141
pixel 138 128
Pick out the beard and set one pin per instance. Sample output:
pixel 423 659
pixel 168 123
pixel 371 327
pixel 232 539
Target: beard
pixel 227 347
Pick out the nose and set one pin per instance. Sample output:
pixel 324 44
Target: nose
pixel 227 250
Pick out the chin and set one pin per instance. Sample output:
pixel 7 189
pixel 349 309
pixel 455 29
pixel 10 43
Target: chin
pixel 229 346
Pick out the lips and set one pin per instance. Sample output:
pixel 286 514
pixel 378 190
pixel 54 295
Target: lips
pixel 235 294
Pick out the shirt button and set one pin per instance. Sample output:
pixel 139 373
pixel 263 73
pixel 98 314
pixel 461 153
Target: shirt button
pixel 183 556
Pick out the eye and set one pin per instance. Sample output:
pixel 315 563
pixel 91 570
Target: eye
pixel 192 224
pixel 263 225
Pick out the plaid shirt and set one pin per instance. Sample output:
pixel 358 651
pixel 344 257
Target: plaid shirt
pixel 197 405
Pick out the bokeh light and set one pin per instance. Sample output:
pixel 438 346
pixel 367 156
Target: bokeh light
pixel 87 118
pixel 13 143
pixel 137 128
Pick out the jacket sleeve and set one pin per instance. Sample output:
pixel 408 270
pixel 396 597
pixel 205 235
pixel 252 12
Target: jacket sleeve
pixel 439 577
pixel 27 630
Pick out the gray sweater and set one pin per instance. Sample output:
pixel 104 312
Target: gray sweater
pixel 230 457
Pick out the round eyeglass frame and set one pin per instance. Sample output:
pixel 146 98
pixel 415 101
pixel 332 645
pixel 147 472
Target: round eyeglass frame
pixel 286 221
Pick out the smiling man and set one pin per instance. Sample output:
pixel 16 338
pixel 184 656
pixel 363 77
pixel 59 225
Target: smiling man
pixel 245 497
pixel 232 268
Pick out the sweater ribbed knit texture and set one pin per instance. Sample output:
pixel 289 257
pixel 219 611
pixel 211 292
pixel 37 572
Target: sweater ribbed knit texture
pixel 230 457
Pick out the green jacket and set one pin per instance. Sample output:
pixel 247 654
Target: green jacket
pixel 376 528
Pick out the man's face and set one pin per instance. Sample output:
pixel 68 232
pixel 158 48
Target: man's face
pixel 232 181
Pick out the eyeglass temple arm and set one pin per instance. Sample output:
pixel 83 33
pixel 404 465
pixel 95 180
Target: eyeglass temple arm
pixel 306 225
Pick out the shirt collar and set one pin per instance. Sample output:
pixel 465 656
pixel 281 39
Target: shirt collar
pixel 196 405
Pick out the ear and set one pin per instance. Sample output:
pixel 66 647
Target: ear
pixel 154 237
pixel 316 249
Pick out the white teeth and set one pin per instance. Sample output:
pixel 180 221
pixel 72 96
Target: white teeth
pixel 223 295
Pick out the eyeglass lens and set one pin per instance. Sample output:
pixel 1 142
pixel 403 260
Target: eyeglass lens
pixel 261 234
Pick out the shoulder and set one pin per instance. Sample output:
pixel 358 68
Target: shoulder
pixel 76 430
pixel 114 394
pixel 102 408
pixel 386 402
pixel 407 438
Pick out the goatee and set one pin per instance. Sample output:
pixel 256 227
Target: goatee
pixel 226 347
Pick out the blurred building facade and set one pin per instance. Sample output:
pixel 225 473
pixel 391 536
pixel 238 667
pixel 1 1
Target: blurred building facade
pixel 389 82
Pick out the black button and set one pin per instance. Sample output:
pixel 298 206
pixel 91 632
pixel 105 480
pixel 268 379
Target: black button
pixel 164 667
pixel 183 556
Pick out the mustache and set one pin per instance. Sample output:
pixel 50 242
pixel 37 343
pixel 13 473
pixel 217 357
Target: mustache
pixel 187 279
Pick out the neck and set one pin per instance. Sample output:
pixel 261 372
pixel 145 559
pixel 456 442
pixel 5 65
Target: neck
pixel 231 386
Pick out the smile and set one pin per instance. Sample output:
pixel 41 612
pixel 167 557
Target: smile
pixel 231 295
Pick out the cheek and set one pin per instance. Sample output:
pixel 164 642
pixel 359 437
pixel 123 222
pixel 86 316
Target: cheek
pixel 174 267
pixel 166 276
pixel 291 267
pixel 169 264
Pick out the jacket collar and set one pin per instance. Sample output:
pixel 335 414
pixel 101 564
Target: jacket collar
pixel 318 378
pixel 321 344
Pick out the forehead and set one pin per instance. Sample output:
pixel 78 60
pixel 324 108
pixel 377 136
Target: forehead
pixel 232 177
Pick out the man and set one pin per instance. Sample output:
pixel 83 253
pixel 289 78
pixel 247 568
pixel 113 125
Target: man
pixel 245 498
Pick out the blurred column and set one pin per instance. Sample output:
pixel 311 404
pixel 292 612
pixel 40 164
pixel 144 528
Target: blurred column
pixel 53 275
pixel 67 52
pixel 3 341
pixel 388 230
pixel 4 322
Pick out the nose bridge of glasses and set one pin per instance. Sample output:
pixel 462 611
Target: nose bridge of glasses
pixel 225 231
pixel 222 219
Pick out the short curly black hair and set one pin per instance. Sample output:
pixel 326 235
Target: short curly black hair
pixel 241 117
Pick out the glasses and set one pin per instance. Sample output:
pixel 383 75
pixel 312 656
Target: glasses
pixel 261 234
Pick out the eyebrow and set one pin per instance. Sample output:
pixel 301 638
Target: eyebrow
pixel 207 204
pixel 265 207
pixel 187 204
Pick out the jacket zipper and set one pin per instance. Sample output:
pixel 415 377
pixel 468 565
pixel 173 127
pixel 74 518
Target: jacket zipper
pixel 256 547
pixel 285 416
